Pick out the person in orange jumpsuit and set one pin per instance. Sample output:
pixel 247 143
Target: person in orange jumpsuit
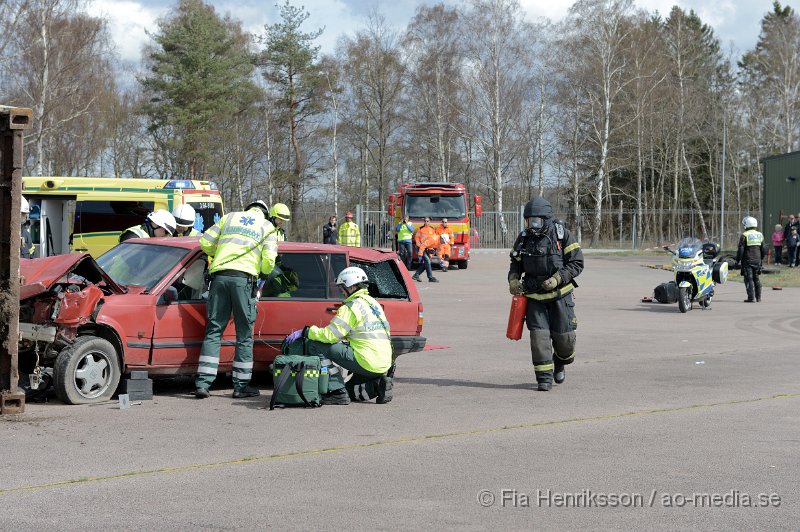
pixel 446 239
pixel 426 240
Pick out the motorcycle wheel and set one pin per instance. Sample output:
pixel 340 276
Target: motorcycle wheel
pixel 684 299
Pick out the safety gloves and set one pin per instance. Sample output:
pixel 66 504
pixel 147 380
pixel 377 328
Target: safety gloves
pixel 514 284
pixel 552 282
pixel 295 336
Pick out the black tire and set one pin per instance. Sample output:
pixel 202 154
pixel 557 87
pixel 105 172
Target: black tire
pixel 87 372
pixel 462 264
pixel 684 299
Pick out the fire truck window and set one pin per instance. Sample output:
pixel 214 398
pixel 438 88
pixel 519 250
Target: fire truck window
pixel 436 207
pixel 385 280
pixel 102 216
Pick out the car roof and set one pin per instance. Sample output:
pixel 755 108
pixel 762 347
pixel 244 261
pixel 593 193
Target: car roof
pixel 193 242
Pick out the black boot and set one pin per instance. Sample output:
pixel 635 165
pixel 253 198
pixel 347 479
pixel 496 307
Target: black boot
pixel 559 374
pixel 337 397
pixel 544 380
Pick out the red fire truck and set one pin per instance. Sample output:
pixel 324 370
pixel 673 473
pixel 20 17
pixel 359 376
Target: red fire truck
pixel 437 201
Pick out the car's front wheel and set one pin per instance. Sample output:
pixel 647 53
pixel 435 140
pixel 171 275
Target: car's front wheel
pixel 86 372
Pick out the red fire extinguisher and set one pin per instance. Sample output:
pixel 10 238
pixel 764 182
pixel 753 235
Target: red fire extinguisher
pixel 516 318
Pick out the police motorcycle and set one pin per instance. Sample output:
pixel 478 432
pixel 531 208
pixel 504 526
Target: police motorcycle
pixel 697 269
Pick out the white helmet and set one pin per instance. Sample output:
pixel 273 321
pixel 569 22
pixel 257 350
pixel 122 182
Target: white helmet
pixel 749 221
pixel 351 276
pixel 163 219
pixel 24 207
pixel 184 215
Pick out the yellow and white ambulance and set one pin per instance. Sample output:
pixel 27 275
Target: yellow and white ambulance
pixel 87 214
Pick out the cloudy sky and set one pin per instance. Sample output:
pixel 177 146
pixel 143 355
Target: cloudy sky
pixel 735 22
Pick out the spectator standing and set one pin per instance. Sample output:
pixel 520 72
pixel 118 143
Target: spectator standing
pixel 787 230
pixel 791 247
pixel 349 233
pixel 330 231
pixel 777 243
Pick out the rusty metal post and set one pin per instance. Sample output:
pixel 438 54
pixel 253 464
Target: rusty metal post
pixel 13 122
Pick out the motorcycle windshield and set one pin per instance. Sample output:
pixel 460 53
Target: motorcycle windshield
pixel 689 247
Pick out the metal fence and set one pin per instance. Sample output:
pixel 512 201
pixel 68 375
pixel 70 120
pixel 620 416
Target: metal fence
pixel 622 229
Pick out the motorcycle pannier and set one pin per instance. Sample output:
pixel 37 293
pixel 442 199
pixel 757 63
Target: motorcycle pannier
pixel 666 292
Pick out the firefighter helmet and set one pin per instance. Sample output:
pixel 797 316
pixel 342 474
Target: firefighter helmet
pixel 184 215
pixel 351 276
pixel 24 206
pixel 162 219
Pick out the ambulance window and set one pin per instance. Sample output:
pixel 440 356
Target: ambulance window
pixel 207 213
pixel 102 216
pixel 385 280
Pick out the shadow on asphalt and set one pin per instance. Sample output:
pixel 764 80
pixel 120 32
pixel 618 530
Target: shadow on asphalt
pixel 653 307
pixel 466 384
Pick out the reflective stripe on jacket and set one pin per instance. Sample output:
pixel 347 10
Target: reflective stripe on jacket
pixel 136 231
pixel 405 232
pixel 751 250
pixel 362 322
pixel 349 234
pixel 242 241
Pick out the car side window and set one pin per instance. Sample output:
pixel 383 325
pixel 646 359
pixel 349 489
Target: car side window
pixel 385 280
pixel 192 282
pixel 298 276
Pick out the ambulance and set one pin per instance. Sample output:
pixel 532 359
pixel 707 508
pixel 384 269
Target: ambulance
pixel 87 214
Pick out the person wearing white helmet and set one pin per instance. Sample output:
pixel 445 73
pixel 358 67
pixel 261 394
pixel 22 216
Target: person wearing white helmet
pixel 26 248
pixel 158 223
pixel 368 352
pixel 749 256
pixel 184 220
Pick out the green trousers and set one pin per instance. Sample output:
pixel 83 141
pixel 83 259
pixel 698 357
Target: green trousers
pixel 228 295
pixel 342 354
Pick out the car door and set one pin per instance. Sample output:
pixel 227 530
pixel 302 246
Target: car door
pixel 181 321
pixel 304 293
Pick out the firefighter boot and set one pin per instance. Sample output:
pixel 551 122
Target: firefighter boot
pixel 544 380
pixel 559 374
pixel 542 355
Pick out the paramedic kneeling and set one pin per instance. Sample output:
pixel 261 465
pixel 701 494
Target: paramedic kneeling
pixel 361 323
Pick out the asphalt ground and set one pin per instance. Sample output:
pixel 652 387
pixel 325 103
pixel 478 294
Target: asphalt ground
pixel 666 421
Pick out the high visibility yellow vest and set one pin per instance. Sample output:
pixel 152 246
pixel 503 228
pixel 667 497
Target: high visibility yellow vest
pixel 362 322
pixel 136 230
pixel 349 234
pixel 754 238
pixel 404 233
pixel 242 241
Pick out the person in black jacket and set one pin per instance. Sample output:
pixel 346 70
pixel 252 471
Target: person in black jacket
pixel 330 231
pixel 752 250
pixel 545 260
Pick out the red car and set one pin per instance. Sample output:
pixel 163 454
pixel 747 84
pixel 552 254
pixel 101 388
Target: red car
pixel 141 306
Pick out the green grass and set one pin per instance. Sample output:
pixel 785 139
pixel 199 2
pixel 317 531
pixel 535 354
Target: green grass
pixel 782 276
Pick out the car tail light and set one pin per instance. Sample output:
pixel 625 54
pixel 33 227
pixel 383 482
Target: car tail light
pixel 419 319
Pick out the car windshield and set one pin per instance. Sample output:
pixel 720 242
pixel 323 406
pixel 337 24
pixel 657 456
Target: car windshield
pixel 436 207
pixel 688 247
pixel 140 264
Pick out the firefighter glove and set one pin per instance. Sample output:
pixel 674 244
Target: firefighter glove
pixel 552 282
pixel 514 285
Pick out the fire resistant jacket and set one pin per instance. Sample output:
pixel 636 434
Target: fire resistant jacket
pixel 446 242
pixel 242 241
pixel 751 249
pixel 360 321
pixel 426 238
pixel 349 235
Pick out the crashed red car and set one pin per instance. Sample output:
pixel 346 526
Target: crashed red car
pixel 141 306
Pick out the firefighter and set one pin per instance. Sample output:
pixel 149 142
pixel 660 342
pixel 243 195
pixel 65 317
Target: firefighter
pixel 446 240
pixel 361 322
pixel 243 247
pixel 426 240
pixel 26 247
pixel 752 250
pixel 278 214
pixel 349 233
pixel 185 217
pixel 157 224
pixel 545 260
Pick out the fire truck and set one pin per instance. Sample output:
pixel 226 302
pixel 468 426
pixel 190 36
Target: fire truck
pixel 436 201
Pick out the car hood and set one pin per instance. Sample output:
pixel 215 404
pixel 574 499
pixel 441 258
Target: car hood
pixel 39 275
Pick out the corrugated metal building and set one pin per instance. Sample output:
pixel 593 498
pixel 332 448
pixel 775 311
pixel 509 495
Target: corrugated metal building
pixel 781 188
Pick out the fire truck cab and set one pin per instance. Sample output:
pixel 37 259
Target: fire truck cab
pixel 436 201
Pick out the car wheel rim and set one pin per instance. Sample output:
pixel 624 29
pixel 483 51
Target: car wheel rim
pixel 92 375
